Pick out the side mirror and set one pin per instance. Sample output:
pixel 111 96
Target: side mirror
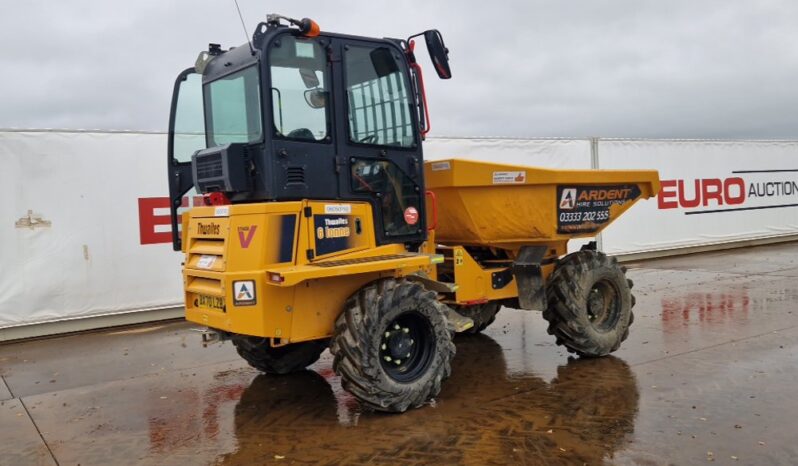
pixel 438 53
pixel 316 98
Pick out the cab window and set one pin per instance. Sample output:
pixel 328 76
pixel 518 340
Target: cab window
pixel 299 89
pixel 232 108
pixel 378 101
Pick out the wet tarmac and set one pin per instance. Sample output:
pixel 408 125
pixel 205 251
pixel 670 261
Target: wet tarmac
pixel 708 374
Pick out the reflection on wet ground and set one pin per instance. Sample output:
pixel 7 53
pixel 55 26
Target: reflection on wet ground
pixel 706 375
pixel 485 416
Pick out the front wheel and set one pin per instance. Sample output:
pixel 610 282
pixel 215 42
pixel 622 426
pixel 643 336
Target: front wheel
pixel 392 345
pixel 589 303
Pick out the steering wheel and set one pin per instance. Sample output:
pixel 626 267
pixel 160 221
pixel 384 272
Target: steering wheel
pixel 371 138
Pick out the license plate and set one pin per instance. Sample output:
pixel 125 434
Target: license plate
pixel 210 302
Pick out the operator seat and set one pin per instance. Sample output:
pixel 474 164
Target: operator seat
pixel 301 133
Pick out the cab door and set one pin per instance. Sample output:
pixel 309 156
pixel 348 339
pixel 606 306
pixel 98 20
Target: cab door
pixel 298 91
pixel 186 136
pixel 378 149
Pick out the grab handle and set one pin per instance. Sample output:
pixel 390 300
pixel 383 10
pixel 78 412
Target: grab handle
pixel 434 205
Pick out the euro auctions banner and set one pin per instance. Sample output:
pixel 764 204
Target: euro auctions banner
pixel 712 192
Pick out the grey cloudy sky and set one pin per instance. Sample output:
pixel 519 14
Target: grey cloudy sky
pixel 692 69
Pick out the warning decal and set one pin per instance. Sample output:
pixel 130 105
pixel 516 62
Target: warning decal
pixel 509 177
pixel 584 209
pixel 244 293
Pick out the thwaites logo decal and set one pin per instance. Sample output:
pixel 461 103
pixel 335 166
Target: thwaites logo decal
pixel 333 233
pixel 584 209
pixel 208 228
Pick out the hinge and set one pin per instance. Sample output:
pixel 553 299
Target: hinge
pixel 310 254
pixel 308 212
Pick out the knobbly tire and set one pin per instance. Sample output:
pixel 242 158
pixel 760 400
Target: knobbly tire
pixel 482 314
pixel 280 360
pixel 393 345
pixel 589 303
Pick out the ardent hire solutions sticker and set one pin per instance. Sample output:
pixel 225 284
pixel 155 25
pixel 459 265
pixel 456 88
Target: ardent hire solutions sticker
pixel 244 293
pixel 585 209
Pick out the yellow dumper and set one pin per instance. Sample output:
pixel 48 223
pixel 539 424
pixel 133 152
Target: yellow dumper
pixel 323 227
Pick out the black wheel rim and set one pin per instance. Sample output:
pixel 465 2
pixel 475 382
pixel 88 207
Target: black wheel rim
pixel 406 347
pixel 603 306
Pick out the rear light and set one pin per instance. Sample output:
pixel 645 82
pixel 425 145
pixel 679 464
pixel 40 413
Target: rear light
pixel 276 277
pixel 216 199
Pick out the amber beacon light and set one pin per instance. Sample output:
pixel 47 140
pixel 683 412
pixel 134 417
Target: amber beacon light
pixel 308 27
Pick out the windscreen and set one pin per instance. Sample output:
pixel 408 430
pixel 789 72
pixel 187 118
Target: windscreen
pixel 232 108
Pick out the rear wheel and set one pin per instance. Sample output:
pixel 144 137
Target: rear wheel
pixel 392 345
pixel 482 314
pixel 278 360
pixel 589 303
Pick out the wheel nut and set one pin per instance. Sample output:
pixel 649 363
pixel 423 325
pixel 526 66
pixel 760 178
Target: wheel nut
pixel 388 358
pixel 384 346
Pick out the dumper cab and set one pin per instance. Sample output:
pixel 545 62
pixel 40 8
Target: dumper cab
pixel 276 128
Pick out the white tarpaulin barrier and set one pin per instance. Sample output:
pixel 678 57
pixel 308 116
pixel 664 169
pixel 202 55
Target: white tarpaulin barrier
pixel 69 238
pixel 85 226
pixel 548 153
pixel 713 192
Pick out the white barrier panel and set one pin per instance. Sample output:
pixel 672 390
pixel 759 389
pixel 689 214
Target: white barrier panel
pixel 548 153
pixel 70 240
pixel 712 192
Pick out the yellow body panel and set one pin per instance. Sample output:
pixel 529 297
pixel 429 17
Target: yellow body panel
pixel 474 283
pixel 296 296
